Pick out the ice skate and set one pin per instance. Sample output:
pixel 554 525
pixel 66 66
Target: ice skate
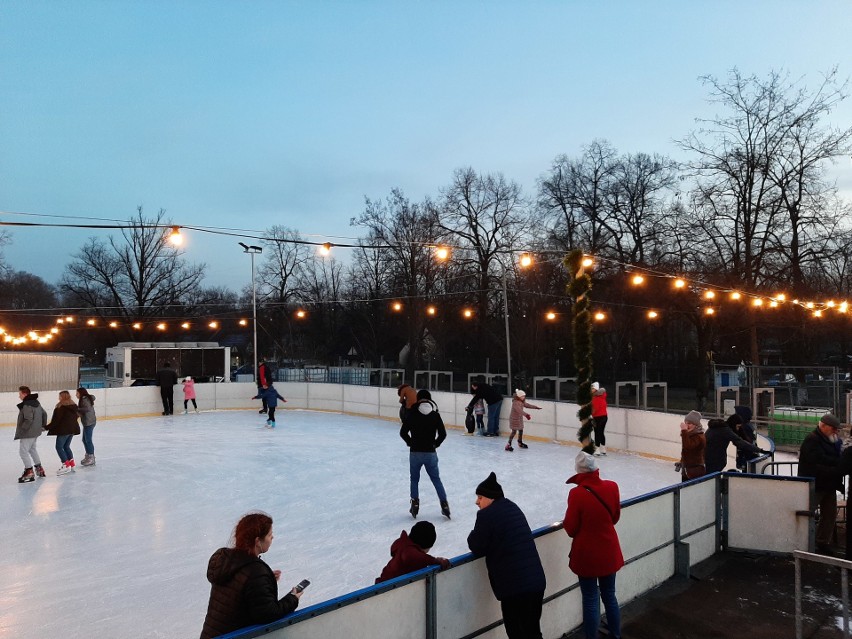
pixel 597 452
pixel 445 509
pixel 39 470
pixel 601 452
pixel 64 469
pixel 522 445
pixel 415 507
pixel 197 411
pixel 262 411
pixel 88 460
pixel 509 448
pixel 185 412
pixel 27 477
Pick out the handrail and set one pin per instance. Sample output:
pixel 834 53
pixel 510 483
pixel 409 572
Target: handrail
pixel 843 564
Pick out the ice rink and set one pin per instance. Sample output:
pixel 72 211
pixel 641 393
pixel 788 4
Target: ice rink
pixel 121 549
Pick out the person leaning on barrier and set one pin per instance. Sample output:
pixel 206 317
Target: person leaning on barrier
pixel 819 457
pixel 719 434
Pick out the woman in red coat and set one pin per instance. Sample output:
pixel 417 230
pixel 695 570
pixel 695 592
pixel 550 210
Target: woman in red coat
pixel 594 507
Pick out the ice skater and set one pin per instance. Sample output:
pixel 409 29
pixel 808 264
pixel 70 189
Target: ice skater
pixel 269 395
pixel 189 395
pixel 517 416
pixel 86 410
pixel 599 416
pixel 32 419
pixel 166 380
pixel 423 431
pixel 63 425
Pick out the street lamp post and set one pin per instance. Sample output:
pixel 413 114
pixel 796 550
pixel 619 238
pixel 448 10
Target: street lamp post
pixel 508 344
pixel 253 250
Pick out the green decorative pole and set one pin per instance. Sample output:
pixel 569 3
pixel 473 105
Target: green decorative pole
pixel 581 325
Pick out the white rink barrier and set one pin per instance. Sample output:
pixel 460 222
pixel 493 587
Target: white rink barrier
pixel 629 429
pixel 662 534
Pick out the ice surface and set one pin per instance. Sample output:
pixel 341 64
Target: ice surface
pixel 121 549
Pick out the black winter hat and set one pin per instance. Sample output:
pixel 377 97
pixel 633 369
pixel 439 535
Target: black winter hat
pixel 423 394
pixel 423 534
pixel 490 488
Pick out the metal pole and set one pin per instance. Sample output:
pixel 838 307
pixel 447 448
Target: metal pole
pixel 254 315
pixel 508 346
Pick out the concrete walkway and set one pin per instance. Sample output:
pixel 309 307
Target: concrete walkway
pixel 737 596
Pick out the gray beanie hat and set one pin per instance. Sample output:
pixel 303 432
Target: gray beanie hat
pixel 693 417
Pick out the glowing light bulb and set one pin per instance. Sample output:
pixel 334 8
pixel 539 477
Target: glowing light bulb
pixel 709 310
pixel 431 310
pixel 467 313
pixel 243 322
pixel 113 324
pixel 652 315
pixel 637 280
pixel 736 295
pixel 397 306
pixel 442 252
pixel 213 324
pixel 90 322
pixel 137 325
pixel 550 315
pixel 757 302
pixel 600 316
pixel 587 262
pixel 175 238
pixel 679 283
pixel 161 326
pixel 185 325
pixel 300 314
pixel 325 249
pixel 709 295
pixel 526 260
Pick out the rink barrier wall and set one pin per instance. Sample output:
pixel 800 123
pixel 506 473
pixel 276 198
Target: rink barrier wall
pixel 628 429
pixel 663 533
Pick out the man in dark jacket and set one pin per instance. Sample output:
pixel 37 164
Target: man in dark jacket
pixel 819 457
pixel 423 431
pixel 494 399
pixel 718 436
pixel 32 419
pixel 503 536
pixel 166 380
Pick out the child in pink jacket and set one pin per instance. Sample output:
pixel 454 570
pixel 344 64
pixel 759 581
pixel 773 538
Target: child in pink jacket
pixel 516 418
pixel 189 394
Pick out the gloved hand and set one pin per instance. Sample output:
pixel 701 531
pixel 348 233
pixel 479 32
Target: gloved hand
pixel 527 415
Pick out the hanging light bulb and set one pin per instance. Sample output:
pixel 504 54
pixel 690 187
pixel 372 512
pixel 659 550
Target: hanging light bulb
pixel 467 313
pixel 679 283
pixel 396 306
pixel 325 249
pixel 709 295
pixel 637 280
pixel 525 260
pixel 735 295
pixel 442 253
pixel 587 262
pixel 653 315
pixel 550 315
pixel 185 325
pixel 757 302
pixel 431 310
pixel 213 324
pixel 174 237
pixel 709 310
pixel 600 316
pixel 113 324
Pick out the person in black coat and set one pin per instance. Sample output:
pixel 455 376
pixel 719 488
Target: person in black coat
pixel 244 589
pixel 745 430
pixel 718 436
pixel 503 536
pixel 494 399
pixel 819 457
pixel 166 380
pixel 423 432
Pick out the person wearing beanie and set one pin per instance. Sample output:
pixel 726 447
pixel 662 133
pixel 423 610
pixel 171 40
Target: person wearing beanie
pixel 407 399
pixel 594 507
pixel 517 416
pixel 503 536
pixel 719 435
pixel 494 400
pixel 819 457
pixel 423 432
pixel 693 444
pixel 599 416
pixel 409 552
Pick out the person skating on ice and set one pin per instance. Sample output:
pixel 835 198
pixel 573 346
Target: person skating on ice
pixel 86 409
pixel 189 395
pixel 423 431
pixel 600 417
pixel 63 425
pixel 517 416
pixel 32 420
pixel 270 398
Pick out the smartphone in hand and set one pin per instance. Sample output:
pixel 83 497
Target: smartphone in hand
pixel 302 585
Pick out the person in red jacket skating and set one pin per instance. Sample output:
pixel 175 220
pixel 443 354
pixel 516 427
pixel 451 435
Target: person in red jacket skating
pixel 594 507
pixel 600 417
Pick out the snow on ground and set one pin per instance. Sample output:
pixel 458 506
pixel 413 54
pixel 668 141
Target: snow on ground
pixel 121 549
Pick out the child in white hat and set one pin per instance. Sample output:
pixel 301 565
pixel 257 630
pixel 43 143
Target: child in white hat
pixel 517 416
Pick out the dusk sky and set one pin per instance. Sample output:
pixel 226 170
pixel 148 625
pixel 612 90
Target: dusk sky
pixel 250 114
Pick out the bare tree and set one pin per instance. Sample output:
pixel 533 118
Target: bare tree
pixel 138 275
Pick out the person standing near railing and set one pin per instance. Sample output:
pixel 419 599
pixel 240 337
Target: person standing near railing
pixel 494 399
pixel 594 507
pixel 819 457
pixel 693 445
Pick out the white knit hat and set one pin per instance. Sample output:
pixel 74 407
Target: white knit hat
pixel 520 393
pixel 595 386
pixel 585 463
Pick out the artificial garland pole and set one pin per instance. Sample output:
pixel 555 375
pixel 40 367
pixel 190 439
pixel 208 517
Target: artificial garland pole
pixel 581 325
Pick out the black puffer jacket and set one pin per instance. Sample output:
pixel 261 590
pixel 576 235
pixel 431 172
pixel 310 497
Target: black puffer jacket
pixel 503 536
pixel 719 435
pixel 423 429
pixel 819 458
pixel 487 392
pixel 244 593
